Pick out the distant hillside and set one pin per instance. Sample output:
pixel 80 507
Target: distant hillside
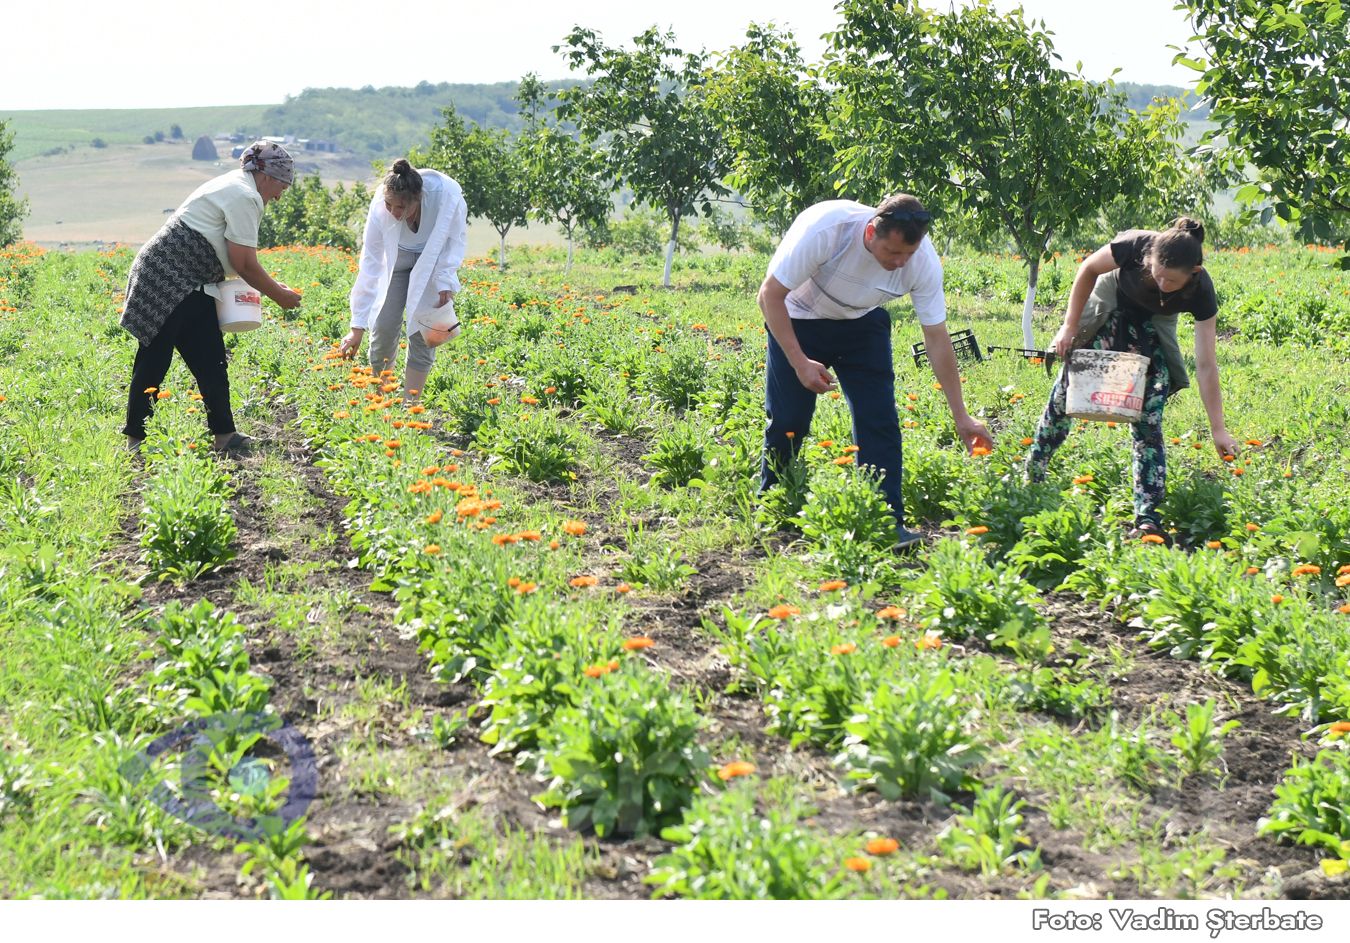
pixel 48 133
pixel 383 122
pixel 1138 97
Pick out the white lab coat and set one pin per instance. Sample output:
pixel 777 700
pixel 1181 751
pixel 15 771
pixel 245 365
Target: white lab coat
pixel 435 271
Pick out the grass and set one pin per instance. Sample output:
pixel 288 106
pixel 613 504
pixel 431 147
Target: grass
pixel 40 131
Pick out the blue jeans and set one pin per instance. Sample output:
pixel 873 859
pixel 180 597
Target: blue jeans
pixel 859 353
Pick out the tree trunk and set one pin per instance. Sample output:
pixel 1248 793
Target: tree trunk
pixel 670 247
pixel 570 243
pixel 1033 275
pixel 501 255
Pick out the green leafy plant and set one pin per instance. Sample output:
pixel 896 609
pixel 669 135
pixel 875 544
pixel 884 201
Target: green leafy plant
pixel 734 846
pixel 679 454
pixel 625 759
pixel 1312 804
pixel 1199 741
pixel 988 837
pixel 847 521
pixel 186 528
pixel 536 444
pixel 964 596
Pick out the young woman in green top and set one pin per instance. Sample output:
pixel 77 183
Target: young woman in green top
pixel 1132 290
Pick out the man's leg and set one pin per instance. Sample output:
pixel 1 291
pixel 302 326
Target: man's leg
pixel 789 405
pixel 867 377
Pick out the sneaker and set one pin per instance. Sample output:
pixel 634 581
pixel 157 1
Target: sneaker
pixel 907 539
pixel 1150 529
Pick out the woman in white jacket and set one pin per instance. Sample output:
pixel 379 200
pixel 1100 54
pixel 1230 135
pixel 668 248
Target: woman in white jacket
pixel 416 232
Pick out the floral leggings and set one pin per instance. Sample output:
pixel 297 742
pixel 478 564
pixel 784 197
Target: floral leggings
pixel 1150 453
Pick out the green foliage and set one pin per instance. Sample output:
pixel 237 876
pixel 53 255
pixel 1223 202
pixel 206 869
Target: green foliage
pixel 988 838
pixel 12 209
pixel 656 565
pixel 186 528
pixel 489 165
pixel 535 444
pixel 962 595
pixel 649 104
pixel 909 737
pixel 1052 543
pixel 848 523
pixel 310 214
pixel 1062 692
pixel 625 759
pixel 732 846
pixel 1199 742
pixel 773 112
pixel 1283 115
pixel 1312 804
pixel 680 453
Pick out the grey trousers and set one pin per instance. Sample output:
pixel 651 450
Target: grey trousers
pixel 388 327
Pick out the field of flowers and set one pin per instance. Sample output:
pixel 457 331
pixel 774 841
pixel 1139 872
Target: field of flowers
pixel 544 639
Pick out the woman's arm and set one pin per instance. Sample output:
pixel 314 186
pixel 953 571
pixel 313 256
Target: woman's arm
pixel 1097 264
pixel 1207 378
pixel 244 260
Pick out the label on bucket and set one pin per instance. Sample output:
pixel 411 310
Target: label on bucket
pixel 247 296
pixel 1117 400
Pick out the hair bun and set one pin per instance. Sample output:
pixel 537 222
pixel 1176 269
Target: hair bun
pixel 402 167
pixel 1191 226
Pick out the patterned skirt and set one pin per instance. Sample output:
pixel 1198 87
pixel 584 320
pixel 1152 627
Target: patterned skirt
pixel 174 263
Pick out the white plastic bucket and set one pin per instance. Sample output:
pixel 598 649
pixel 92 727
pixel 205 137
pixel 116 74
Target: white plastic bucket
pixel 238 306
pixel 1106 385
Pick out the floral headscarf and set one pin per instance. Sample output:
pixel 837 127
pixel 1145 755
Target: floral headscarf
pixel 271 159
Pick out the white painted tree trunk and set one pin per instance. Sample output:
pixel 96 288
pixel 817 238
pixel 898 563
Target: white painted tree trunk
pixel 501 254
pixel 670 249
pixel 1033 275
pixel 570 243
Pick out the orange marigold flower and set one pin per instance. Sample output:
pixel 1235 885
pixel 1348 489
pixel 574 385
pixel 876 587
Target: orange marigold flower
pixel 163 394
pixel 1237 472
pixel 845 648
pixel 495 401
pixel 431 470
pixel 1228 458
pixel 734 769
pixel 882 846
pixel 432 549
pixel 623 588
pixel 784 611
pixel 844 460
pixel 1252 571
pixel 574 528
pixel 434 517
pixel 826 443
pixel 1083 480
pixel 550 390
pixel 792 435
pixel 850 449
pixel 525 588
pixel 1254 443
pixel 1253 528
pixel 830 586
pixel 1213 544
pixel 929 639
pixel 1028 440
pixel 416 409
pixel 1307 569
pixel 1277 599
pixel 502 539
pixel 1343 570
pixel 1344 609
pixel 393 444
pixel 1153 539
pixel 581 582
pixel 553 545
pixel 513 582
pixel 859 865
pixel 980 451
pixel 1340 726
pixel 341 414
pixel 891 612
pixel 1196 445
pixel 637 643
pixel 1343 581
pixel 530 400
pixel 977 531
pixel 891 641
pixel 532 535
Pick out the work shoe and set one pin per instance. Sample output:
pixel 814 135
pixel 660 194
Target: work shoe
pixel 907 540
pixel 239 446
pixel 1150 529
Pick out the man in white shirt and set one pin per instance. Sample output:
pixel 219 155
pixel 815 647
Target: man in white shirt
pixel 839 262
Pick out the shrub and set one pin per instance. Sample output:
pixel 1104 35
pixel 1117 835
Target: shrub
pixel 536 444
pixel 849 524
pixel 186 528
pixel 679 454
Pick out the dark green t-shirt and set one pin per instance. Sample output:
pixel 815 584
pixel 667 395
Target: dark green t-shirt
pixel 1138 292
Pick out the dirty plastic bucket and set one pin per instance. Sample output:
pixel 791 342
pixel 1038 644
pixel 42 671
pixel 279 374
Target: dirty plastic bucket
pixel 238 306
pixel 1106 385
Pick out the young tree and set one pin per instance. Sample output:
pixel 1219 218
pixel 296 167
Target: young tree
pixel 1276 76
pixel 567 177
pixel 774 114
pixel 648 103
pixel 970 108
pixel 490 167
pixel 176 132
pixel 311 214
pixel 12 209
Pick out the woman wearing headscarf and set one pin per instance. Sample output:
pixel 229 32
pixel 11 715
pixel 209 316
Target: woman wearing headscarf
pixel 169 306
pixel 416 233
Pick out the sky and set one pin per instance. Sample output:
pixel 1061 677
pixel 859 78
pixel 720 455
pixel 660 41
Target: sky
pixel 165 54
